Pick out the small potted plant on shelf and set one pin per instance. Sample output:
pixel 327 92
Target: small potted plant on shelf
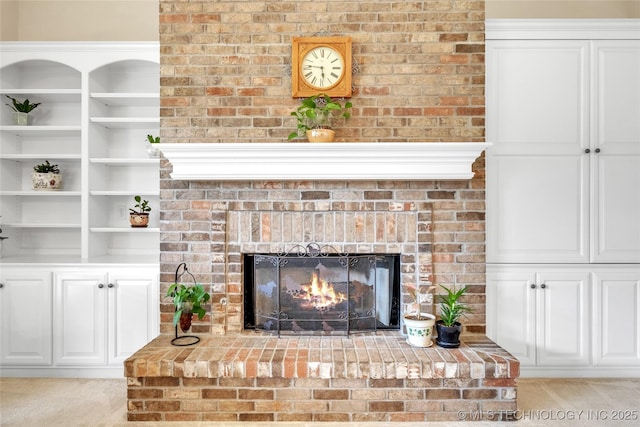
pixel 139 218
pixel 21 110
pixel 420 324
pixel 188 300
pixel 451 310
pixel 152 149
pixel 46 177
pixel 315 117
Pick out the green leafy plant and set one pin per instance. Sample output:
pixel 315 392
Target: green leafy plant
pixel 188 299
pixel 420 296
pixel 318 111
pixel 450 308
pixel 46 167
pixel 142 205
pixel 22 107
pixel 152 139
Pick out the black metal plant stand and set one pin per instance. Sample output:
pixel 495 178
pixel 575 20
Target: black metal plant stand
pixel 184 340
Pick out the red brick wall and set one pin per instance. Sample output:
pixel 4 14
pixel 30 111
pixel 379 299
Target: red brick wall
pixel 225 77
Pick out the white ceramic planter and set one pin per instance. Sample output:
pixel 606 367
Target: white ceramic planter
pixel 20 119
pixel 419 331
pixel 46 181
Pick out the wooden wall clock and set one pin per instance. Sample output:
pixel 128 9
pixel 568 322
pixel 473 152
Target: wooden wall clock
pixel 321 65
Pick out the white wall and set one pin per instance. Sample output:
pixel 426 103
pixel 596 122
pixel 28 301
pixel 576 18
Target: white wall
pixel 570 9
pixel 79 20
pixel 137 20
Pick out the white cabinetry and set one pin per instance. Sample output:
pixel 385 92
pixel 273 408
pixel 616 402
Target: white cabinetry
pixel 563 170
pixel 563 206
pixel 103 317
pixel 540 316
pixel 25 317
pixel 98 103
pixel 75 320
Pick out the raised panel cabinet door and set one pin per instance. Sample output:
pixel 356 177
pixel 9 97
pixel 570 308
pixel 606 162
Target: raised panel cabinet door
pixel 563 312
pixel 616 151
pixel 25 316
pixel 80 318
pixel 511 299
pixel 133 313
pixel 616 322
pixel 537 168
pixel 537 209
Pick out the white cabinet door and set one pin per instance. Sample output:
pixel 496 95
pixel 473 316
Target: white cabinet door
pixel 133 308
pixel 616 151
pixel 25 316
pixel 80 318
pixel 616 323
pixel 537 170
pixel 511 313
pixel 563 318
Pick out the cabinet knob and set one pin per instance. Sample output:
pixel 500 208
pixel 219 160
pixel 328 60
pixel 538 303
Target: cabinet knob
pixel 533 286
pixel 1 285
pixel 597 150
pixel 586 150
pixel 543 286
pixel 110 285
pixel 100 285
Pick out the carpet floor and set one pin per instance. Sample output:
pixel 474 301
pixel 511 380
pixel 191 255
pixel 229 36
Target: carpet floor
pixel 52 402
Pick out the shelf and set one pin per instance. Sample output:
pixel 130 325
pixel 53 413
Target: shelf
pixel 124 193
pixel 341 160
pixel 128 99
pixel 19 157
pixel 40 193
pixel 124 230
pixel 46 96
pixel 125 162
pixel 42 130
pixel 44 225
pixel 126 122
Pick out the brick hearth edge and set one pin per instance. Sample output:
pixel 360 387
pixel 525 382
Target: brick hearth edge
pixel 374 377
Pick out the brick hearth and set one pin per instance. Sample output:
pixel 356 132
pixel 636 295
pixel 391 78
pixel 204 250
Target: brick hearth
pixel 374 377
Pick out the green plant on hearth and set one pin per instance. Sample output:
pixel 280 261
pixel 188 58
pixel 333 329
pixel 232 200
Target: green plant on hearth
pixel 153 139
pixel 46 167
pixel 142 205
pixel 451 309
pixel 188 300
pixel 319 112
pixel 22 107
pixel 422 297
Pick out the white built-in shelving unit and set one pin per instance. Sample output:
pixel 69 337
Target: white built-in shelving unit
pixel 98 103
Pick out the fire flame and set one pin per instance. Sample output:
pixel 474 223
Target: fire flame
pixel 320 294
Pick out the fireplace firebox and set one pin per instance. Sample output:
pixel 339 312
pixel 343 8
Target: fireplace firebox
pixel 317 290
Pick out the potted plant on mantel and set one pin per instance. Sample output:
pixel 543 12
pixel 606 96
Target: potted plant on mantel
pixel 21 110
pixel 315 116
pixel 46 177
pixel 451 310
pixel 420 324
pixel 140 217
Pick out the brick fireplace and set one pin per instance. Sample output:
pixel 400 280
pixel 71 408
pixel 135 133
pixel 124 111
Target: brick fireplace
pixel 225 82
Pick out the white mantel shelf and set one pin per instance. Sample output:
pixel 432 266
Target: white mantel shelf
pixel 323 161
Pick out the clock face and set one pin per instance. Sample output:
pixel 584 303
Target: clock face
pixel 322 67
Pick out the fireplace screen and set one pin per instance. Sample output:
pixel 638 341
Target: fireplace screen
pixel 315 293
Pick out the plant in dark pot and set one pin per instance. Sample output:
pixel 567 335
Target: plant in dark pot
pixel 188 300
pixel 139 218
pixel 451 310
pixel 316 115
